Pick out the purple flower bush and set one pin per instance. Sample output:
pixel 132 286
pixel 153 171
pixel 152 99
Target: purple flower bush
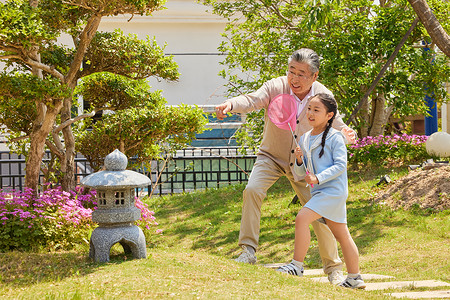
pixel 54 220
pixel 147 219
pixel 382 150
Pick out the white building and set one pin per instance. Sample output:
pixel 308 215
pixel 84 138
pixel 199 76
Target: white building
pixel 192 36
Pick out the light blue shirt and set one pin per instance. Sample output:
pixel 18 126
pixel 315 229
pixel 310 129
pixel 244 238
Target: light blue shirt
pixel 329 196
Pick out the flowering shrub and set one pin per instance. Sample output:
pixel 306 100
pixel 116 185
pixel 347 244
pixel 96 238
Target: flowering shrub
pixel 53 220
pixel 388 149
pixel 147 219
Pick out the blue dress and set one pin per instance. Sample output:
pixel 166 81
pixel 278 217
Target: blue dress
pixel 329 196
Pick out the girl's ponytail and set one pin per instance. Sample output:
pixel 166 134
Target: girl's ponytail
pixel 324 135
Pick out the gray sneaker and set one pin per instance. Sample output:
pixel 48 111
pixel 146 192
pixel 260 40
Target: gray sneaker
pixel 246 257
pixel 336 277
pixel 353 283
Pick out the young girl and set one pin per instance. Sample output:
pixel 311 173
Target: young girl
pixel 322 159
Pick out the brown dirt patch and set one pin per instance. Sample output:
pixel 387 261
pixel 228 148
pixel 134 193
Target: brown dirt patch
pixel 426 188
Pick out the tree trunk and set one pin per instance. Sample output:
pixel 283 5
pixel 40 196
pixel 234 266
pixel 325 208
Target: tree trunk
pixel 378 116
pixel 364 116
pixel 38 133
pixel 37 144
pixel 68 164
pixel 432 25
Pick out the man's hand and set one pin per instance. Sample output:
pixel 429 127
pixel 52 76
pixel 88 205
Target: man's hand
pixel 349 134
pixel 299 155
pixel 223 109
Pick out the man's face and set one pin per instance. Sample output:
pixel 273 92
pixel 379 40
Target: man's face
pixel 300 78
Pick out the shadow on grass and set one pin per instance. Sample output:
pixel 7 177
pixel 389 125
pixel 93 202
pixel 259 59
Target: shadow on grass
pixel 27 268
pixel 210 220
pixel 206 219
pixel 23 269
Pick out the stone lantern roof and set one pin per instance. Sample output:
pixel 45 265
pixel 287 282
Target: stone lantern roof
pixel 115 176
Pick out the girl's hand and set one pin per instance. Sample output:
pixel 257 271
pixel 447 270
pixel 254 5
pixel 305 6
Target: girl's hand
pixel 311 179
pixel 299 155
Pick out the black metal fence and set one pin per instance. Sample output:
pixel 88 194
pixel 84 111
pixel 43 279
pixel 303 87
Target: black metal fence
pixel 189 169
pixel 12 170
pixel 199 168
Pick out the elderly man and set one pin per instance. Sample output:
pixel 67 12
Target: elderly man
pixel 276 158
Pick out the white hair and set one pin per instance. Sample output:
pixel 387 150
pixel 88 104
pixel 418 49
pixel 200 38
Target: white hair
pixel 307 56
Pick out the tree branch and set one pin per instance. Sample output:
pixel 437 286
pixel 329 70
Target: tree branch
pixel 383 70
pixel 10 57
pixel 33 63
pixel 19 138
pixel 71 121
pixel 57 141
pixel 54 149
pixel 44 67
pixel 85 39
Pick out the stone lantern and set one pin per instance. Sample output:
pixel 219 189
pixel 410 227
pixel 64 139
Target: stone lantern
pixel 116 211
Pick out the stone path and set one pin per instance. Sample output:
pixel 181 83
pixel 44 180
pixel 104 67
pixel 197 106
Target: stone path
pixel 383 282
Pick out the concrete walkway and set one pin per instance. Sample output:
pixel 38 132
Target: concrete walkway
pixel 438 289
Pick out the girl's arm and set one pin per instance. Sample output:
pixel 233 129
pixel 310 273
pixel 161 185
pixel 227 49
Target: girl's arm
pixel 339 154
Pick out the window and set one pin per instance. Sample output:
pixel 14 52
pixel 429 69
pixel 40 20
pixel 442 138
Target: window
pixel 120 198
pixel 101 197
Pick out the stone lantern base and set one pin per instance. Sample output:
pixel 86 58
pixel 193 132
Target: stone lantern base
pixel 102 239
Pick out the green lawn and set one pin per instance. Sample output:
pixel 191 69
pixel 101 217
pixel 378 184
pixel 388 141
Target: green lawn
pixel 192 259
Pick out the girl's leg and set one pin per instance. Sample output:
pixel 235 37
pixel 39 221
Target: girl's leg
pixel 349 249
pixel 302 233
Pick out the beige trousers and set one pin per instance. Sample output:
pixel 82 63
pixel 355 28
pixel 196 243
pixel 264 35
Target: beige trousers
pixel 264 174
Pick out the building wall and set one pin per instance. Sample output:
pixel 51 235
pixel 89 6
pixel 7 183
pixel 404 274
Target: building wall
pixel 192 36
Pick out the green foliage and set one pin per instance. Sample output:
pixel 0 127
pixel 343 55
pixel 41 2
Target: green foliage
pixel 129 56
pixel 142 126
pixel 114 92
pixel 249 135
pixel 22 25
pixel 19 93
pixel 28 45
pixel 57 56
pixel 144 132
pixel 354 39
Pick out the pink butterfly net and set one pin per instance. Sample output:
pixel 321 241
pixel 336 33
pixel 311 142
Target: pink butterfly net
pixel 282 111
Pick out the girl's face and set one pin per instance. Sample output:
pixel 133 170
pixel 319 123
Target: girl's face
pixel 317 114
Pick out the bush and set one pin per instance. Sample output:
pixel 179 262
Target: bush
pixel 147 219
pixel 388 150
pixel 54 220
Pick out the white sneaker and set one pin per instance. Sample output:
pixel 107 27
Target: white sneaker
pixel 353 283
pixel 246 257
pixel 336 277
pixel 291 269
